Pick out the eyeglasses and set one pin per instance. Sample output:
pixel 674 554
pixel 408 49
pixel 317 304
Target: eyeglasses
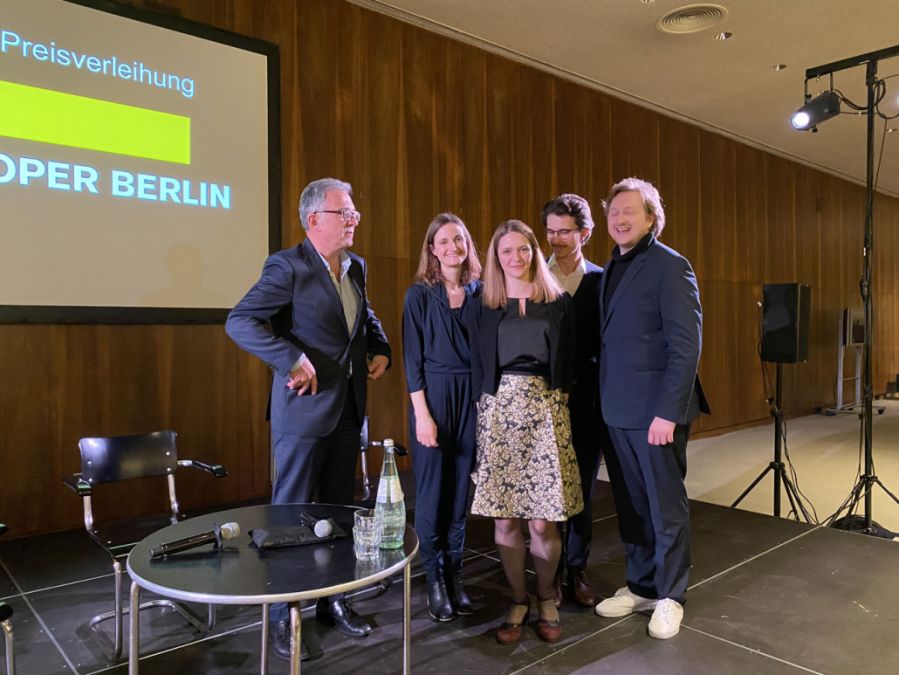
pixel 346 215
pixel 563 234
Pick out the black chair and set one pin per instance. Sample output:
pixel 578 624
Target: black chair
pixel 119 458
pixel 6 613
pixel 363 461
pixel 368 498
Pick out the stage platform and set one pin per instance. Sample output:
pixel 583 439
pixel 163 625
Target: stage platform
pixel 767 596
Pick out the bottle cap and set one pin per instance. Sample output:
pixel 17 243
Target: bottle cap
pixel 388 442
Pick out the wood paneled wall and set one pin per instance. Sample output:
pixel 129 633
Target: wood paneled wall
pixel 420 124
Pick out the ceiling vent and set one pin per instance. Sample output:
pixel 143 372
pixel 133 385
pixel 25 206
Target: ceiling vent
pixel 692 19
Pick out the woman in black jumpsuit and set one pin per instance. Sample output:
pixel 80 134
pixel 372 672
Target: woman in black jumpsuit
pixel 442 418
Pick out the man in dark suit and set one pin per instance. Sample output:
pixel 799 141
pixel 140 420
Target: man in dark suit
pixel 569 223
pixel 651 325
pixel 309 319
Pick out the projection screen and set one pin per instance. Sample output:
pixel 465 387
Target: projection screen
pixel 139 164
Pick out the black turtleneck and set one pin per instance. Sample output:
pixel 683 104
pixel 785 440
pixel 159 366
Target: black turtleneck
pixel 619 264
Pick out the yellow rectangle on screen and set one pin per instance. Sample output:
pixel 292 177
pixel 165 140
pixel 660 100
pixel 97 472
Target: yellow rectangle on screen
pixel 47 116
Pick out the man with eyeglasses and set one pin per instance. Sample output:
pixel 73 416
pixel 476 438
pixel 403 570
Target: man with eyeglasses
pixel 569 224
pixel 309 319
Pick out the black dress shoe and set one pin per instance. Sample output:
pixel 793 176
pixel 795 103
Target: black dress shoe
pixel 338 614
pixel 279 638
pixel 439 606
pixel 457 594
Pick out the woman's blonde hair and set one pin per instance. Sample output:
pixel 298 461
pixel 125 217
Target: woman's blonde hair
pixel 429 267
pixel 546 288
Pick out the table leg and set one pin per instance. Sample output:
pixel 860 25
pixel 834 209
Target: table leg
pixel 263 661
pixel 296 620
pixel 134 632
pixel 407 619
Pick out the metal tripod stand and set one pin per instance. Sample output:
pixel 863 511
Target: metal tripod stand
pixel 777 465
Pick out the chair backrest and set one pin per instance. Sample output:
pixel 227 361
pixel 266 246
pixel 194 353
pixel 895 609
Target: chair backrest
pixel 115 458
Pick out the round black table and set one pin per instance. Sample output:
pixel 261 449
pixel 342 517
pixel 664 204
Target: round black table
pixel 240 574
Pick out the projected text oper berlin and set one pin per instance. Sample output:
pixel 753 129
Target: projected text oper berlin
pixel 28 171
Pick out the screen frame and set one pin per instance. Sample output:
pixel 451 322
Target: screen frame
pixel 52 314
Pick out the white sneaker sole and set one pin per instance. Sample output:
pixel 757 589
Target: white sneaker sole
pixel 663 636
pixel 618 613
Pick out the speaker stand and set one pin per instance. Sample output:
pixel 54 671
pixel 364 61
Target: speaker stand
pixel 777 466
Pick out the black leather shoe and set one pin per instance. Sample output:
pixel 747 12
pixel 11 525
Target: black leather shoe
pixel 338 614
pixel 455 587
pixel 439 606
pixel 279 639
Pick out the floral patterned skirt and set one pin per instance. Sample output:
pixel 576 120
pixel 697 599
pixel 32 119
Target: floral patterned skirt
pixel 526 466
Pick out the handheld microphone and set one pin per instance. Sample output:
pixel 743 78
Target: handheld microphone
pixel 321 528
pixel 215 536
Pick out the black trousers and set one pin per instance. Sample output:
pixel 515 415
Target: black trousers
pixel 590 437
pixel 443 474
pixel 653 510
pixel 317 469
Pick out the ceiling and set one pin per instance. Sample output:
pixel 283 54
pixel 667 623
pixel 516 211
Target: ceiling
pixel 727 86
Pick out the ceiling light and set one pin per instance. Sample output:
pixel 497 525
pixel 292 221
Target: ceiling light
pixel 819 109
pixel 778 67
pixel 724 35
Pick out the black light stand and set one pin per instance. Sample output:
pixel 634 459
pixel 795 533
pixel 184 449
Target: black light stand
pixel 777 465
pixel 868 479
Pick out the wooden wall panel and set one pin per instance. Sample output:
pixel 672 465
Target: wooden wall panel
pixel 421 124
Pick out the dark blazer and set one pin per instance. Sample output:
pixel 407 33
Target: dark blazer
pixel 483 327
pixel 651 341
pixel 294 309
pixel 586 318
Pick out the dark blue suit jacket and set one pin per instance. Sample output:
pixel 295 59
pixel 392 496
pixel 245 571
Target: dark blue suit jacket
pixel 586 317
pixel 294 309
pixel 651 341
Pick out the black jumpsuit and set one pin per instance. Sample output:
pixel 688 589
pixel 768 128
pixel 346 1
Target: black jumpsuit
pixel 437 360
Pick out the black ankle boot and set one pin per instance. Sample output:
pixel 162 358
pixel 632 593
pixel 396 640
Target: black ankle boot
pixel 457 595
pixel 439 606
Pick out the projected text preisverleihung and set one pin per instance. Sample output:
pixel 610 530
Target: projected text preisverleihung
pixel 135 71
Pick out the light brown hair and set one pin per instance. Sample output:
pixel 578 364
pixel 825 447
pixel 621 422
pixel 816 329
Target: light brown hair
pixel 546 288
pixel 428 272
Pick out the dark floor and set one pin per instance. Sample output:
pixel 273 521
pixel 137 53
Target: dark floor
pixel 767 596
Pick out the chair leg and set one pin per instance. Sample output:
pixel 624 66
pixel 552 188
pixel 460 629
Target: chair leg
pixel 117 569
pixel 10 652
pixel 118 614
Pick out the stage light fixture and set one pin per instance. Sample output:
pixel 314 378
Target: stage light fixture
pixel 819 109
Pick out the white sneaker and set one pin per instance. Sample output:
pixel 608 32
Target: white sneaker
pixel 665 621
pixel 624 602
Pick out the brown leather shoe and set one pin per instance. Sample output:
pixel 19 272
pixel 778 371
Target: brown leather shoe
pixel 509 631
pixel 580 589
pixel 549 627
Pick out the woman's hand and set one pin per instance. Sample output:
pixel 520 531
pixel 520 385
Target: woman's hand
pixel 426 431
pixel 425 427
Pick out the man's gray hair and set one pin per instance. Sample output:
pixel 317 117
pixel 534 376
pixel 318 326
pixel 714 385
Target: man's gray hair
pixel 314 194
pixel 652 201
